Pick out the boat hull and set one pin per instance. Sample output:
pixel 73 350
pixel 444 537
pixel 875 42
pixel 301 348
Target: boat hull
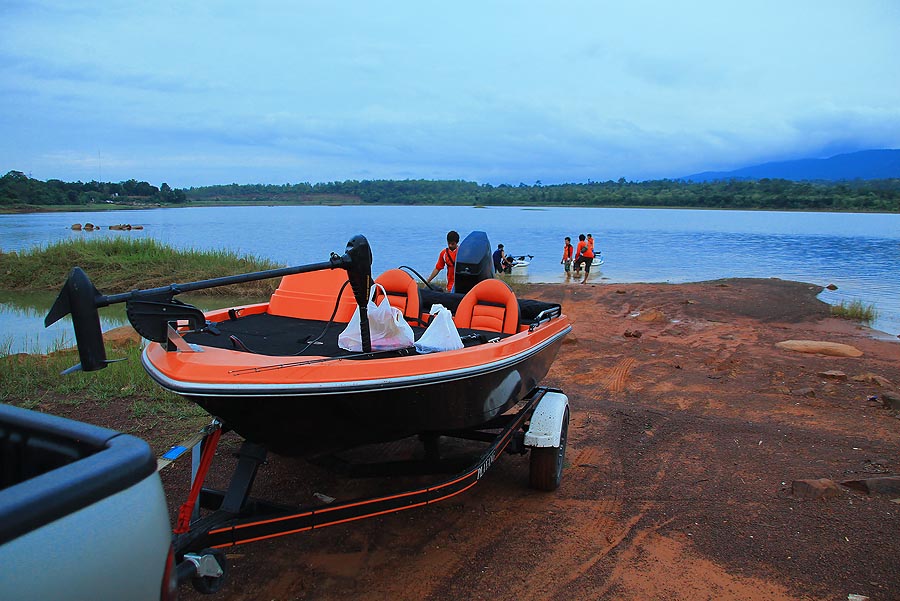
pixel 297 416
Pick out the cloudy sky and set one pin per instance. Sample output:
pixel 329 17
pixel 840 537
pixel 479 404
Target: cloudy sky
pixel 480 90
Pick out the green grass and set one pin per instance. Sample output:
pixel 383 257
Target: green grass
pixel 31 381
pixel 855 310
pixel 122 264
pixel 515 283
pixel 174 409
pixel 122 390
pixel 36 377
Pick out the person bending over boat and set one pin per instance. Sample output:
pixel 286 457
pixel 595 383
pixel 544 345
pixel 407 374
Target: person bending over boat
pixel 498 257
pixel 447 259
pixel 598 256
pixel 584 255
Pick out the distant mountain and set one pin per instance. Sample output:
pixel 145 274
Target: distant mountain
pixel 865 164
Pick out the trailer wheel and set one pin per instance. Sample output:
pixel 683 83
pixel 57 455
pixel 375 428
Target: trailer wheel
pixel 546 465
pixel 209 585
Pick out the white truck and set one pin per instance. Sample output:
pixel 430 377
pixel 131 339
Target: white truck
pixel 82 513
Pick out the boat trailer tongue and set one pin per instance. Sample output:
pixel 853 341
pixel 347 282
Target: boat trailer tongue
pixel 153 312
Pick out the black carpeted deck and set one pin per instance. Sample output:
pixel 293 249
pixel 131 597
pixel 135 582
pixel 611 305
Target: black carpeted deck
pixel 275 335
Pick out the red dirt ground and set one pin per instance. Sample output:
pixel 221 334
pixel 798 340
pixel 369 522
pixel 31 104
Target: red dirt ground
pixel 684 442
pixel 683 446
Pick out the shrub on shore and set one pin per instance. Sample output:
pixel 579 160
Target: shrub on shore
pixel 855 310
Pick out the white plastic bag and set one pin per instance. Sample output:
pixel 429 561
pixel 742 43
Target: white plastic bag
pixel 388 329
pixel 441 334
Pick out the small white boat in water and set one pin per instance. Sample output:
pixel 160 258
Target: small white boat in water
pixel 517 263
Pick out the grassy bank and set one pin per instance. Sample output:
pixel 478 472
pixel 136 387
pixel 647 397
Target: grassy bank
pixel 120 264
pixel 31 379
pixel 120 396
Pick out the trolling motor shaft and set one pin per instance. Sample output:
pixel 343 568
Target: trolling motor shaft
pixel 150 311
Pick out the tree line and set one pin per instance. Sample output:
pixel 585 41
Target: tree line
pixel 16 189
pixel 774 194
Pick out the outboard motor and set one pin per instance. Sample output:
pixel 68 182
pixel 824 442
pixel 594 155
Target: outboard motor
pixel 473 262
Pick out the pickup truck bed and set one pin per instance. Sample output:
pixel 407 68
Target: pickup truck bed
pixel 82 512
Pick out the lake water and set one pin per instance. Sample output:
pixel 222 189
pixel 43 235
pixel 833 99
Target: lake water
pixel 859 253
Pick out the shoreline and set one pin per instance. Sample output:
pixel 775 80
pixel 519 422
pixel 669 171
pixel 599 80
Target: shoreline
pixel 28 209
pixel 851 324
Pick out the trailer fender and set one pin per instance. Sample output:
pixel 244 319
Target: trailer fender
pixel 547 420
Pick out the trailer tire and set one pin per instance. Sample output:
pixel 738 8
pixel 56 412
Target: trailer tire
pixel 546 465
pixel 209 585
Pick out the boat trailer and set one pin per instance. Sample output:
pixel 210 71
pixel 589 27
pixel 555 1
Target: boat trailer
pixel 539 421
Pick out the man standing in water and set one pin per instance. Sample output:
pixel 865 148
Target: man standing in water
pixel 447 259
pixel 584 254
pixel 566 261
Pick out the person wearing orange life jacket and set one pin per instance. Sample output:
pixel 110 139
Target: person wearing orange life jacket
pixel 568 251
pixel 584 255
pixel 447 259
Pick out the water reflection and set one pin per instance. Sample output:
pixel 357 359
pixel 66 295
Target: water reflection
pixel 22 319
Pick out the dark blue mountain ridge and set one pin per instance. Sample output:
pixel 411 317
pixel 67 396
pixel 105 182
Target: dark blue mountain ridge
pixel 865 164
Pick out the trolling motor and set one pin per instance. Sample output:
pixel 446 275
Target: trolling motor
pixel 152 312
pixel 359 272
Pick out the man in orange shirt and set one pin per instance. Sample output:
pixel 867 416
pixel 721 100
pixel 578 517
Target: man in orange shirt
pixel 568 249
pixel 447 259
pixel 584 254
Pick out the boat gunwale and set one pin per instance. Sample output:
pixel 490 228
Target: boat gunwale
pixel 250 390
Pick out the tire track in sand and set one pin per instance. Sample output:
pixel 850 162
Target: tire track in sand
pixel 610 537
pixel 618 377
pixel 574 550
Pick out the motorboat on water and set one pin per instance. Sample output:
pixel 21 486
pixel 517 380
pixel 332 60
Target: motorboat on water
pixel 274 372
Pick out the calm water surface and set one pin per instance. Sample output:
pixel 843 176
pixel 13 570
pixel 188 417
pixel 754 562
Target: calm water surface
pixel 860 253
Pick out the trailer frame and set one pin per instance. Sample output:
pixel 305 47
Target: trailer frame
pixel 236 518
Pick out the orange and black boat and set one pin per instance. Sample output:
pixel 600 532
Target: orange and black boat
pixel 274 373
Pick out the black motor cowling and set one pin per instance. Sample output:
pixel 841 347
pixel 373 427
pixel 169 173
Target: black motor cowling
pixel 473 262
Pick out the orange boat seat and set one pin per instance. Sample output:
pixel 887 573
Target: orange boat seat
pixel 489 305
pixel 402 292
pixel 313 296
